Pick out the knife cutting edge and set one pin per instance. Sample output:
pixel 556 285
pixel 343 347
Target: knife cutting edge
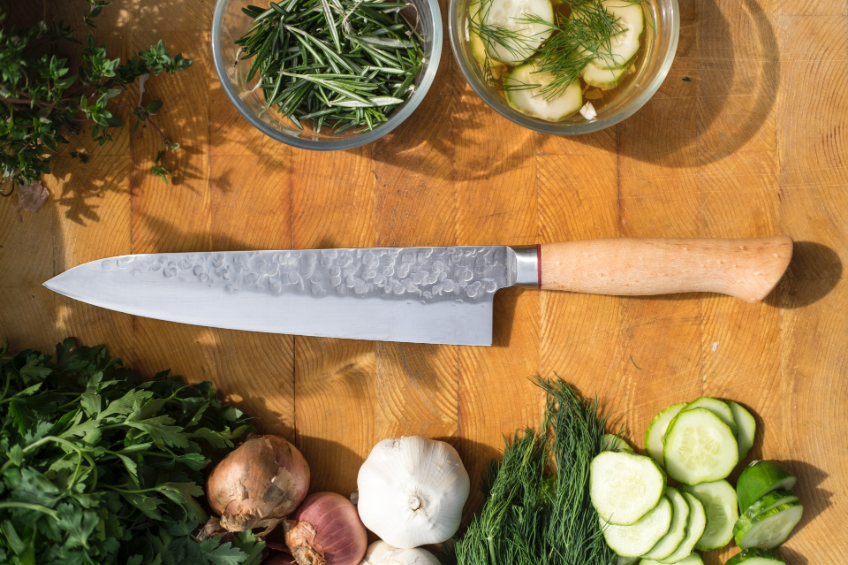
pixel 441 295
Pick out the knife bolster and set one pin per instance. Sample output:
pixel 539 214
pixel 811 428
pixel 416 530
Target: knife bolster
pixel 528 267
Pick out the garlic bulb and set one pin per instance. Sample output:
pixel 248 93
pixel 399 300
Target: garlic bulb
pixel 412 490
pixel 381 553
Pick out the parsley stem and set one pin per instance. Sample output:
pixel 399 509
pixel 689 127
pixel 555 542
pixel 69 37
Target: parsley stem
pixel 65 443
pixel 28 506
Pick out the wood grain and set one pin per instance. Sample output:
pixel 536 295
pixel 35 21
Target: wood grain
pixel 753 144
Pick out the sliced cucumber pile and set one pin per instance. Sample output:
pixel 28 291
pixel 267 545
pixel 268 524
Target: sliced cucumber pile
pixel 756 556
pixel 719 500
pixel 655 434
pixel 760 478
pixel 523 93
pixel 624 487
pixel 676 531
pixel 637 539
pixel 697 444
pixel 747 428
pixel 524 37
pixel 699 447
pixel 622 560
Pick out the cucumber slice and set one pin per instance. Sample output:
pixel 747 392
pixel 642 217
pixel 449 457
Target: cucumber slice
pixel 756 556
pixel 625 487
pixel 610 442
pixel 694 530
pixel 717 407
pixel 747 428
pixel 770 528
pixel 677 530
pixel 531 102
pixel 622 560
pixel 525 38
pixel 656 432
pixel 759 478
pixel 699 447
pixel 624 45
pixel 691 559
pixel 719 500
pixel 636 539
pixel 605 79
pixel 769 501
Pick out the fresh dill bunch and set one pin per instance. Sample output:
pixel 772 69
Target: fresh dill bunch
pixel 530 518
pixel 575 40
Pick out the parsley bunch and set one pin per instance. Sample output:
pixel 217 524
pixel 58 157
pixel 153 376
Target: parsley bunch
pixel 42 100
pixel 98 466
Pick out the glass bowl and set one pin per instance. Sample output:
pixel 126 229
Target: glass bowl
pixel 660 44
pixel 229 23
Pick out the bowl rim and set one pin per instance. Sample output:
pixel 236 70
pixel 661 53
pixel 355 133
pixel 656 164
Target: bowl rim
pixel 561 128
pixel 336 144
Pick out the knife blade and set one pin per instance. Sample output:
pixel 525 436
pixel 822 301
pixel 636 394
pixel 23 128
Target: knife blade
pixel 440 295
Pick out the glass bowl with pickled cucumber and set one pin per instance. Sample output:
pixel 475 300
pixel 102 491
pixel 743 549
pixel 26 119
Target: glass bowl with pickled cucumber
pixel 564 66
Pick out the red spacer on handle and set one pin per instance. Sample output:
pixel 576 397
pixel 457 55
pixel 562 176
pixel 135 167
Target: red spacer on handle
pixel 539 263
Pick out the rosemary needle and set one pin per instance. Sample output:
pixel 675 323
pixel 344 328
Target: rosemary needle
pixel 335 62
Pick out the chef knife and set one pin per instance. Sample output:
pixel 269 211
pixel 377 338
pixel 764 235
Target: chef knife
pixel 413 294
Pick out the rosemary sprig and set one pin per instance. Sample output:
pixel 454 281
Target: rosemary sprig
pixel 581 33
pixel 343 63
pixel 530 518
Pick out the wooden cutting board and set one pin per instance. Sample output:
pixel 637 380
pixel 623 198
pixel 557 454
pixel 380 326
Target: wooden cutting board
pixel 746 138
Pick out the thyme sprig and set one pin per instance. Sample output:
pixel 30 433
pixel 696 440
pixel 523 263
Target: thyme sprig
pixel 42 100
pixel 530 517
pixel 343 63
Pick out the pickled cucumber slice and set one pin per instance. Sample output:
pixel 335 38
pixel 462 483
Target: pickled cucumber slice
pixel 770 528
pixel 677 530
pixel 624 487
pixel 759 478
pixel 756 556
pixel 717 407
pixel 605 79
pixel 524 37
pixel 747 428
pixel 694 531
pixel 630 19
pixel 655 433
pixel 719 500
pixel 523 88
pixel 638 538
pixel 699 447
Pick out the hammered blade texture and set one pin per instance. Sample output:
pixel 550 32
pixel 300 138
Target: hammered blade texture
pixel 427 274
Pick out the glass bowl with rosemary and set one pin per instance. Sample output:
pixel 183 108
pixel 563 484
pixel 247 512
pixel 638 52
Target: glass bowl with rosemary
pixel 326 74
pixel 564 67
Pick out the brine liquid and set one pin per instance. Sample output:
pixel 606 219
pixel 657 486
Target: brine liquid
pixel 604 99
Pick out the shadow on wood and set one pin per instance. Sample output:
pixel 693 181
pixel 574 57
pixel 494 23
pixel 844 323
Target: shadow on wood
pixel 815 270
pixel 694 121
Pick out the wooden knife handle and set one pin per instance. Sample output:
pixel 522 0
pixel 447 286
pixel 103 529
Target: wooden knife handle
pixel 745 268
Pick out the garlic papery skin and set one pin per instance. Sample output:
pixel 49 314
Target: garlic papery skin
pixel 412 490
pixel 381 553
